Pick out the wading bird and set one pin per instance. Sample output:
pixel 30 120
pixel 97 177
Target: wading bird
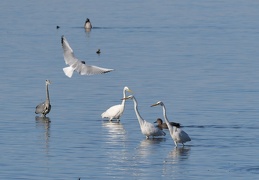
pixel 147 128
pixel 178 135
pixel 162 125
pixel 76 65
pixel 45 107
pixel 115 112
pixel 88 24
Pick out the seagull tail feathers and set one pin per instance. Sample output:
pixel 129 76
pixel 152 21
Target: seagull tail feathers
pixel 68 71
pixel 103 115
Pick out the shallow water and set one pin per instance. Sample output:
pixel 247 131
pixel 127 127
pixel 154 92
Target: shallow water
pixel 199 58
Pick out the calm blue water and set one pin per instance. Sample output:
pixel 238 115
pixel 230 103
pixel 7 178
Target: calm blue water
pixel 199 57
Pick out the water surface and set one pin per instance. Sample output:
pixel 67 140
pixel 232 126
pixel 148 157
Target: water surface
pixel 200 58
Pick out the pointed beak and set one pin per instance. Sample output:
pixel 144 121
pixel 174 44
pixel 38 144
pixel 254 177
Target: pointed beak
pixel 153 105
pixel 130 91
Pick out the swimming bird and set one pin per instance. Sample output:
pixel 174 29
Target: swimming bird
pixel 80 66
pixel 88 24
pixel 115 112
pixel 147 128
pixel 44 107
pixel 177 134
pixel 162 125
pixel 98 51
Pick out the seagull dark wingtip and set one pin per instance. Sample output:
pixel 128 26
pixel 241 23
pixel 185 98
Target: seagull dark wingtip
pixel 62 39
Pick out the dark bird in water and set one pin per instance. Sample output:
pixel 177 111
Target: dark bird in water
pixel 98 51
pixel 88 24
pixel 44 107
pixel 162 125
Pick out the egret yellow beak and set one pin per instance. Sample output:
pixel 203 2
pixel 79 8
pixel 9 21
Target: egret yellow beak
pixel 130 91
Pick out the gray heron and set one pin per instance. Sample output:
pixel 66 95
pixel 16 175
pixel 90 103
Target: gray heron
pixel 44 107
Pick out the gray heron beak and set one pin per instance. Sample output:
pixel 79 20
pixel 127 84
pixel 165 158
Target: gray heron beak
pixel 153 105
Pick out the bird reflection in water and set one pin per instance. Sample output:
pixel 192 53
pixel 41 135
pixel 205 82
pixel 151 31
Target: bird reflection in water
pixel 149 146
pixel 115 130
pixel 44 122
pixel 115 142
pixel 179 153
pixel 87 31
pixel 175 157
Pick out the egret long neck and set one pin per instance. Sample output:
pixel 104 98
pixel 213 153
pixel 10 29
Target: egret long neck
pixel 140 119
pixel 123 100
pixel 165 117
pixel 47 91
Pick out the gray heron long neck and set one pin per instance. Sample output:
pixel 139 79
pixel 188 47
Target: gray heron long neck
pixel 164 113
pixel 140 119
pixel 47 92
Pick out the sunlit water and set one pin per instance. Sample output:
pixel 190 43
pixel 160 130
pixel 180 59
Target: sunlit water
pixel 199 57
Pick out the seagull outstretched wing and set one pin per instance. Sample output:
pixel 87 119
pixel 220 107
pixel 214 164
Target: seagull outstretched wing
pixel 76 65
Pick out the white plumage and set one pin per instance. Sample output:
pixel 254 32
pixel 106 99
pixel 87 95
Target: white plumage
pixel 76 65
pixel 115 112
pixel 177 134
pixel 147 128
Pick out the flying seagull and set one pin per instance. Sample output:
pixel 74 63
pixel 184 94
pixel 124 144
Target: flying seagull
pixel 76 65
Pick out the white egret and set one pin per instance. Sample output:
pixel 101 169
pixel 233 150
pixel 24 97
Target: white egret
pixel 80 66
pixel 147 128
pixel 44 107
pixel 115 112
pixel 88 24
pixel 162 125
pixel 178 135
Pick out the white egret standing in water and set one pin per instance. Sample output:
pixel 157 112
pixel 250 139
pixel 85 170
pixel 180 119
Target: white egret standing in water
pixel 115 112
pixel 44 107
pixel 147 128
pixel 75 65
pixel 178 135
